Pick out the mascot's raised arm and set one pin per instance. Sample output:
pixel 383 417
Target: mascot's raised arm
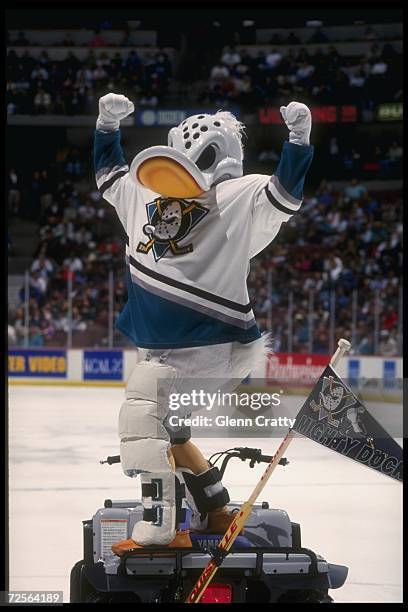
pixel 193 222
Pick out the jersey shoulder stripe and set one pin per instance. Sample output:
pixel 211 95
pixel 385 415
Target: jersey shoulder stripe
pixel 277 204
pixel 211 297
pixel 108 184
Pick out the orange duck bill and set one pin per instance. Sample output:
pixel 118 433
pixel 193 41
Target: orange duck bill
pixel 169 173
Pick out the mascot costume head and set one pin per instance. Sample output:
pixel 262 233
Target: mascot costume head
pixel 202 151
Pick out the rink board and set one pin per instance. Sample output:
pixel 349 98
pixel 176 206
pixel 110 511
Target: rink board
pixel 111 368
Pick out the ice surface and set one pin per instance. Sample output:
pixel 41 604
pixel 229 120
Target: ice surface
pixel 349 514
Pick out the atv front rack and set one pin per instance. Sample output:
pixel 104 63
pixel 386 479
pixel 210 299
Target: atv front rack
pixel 179 559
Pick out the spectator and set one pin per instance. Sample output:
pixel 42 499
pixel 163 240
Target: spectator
pixel 36 337
pixel 318 36
pixel 39 73
pixel 292 39
pixel 273 59
pixel 97 40
pixel 38 286
pixel 219 74
pixel 304 71
pixel 13 191
pixel 73 263
pixel 11 332
pixel 34 195
pixel 335 267
pixel 21 40
pixel 73 167
pixel 379 67
pixel 388 344
pixel 84 77
pixel 45 189
pixel 87 212
pixel 231 57
pixel 99 73
pixel 42 101
pixel 370 33
pixel 43 266
pixel 390 318
pixel 357 79
pixel 67 41
pixel 355 190
pixel 395 152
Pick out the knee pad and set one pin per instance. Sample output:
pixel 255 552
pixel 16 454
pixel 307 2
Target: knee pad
pixel 162 498
pixel 204 493
pixel 145 455
pixel 144 439
pixel 142 383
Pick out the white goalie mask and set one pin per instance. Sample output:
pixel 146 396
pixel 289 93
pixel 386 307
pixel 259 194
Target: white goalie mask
pixel 202 151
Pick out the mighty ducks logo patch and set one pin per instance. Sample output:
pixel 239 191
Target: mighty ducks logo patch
pixel 339 406
pixel 169 221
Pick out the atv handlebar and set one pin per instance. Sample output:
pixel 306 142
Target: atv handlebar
pixel 110 460
pixel 253 455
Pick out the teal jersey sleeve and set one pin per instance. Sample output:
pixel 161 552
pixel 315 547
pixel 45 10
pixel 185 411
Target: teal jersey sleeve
pixel 282 195
pixel 112 172
pixel 286 185
pixel 109 161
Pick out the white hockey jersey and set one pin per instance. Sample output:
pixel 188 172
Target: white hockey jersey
pixel 188 260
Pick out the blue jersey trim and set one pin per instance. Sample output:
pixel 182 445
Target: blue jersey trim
pixel 151 321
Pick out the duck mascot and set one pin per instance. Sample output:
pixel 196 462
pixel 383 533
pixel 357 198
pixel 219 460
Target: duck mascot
pixel 193 221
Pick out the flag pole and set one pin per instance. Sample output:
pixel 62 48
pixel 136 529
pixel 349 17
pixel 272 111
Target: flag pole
pixel 342 347
pixel 241 516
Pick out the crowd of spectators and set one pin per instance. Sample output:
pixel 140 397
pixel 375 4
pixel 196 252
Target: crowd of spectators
pixel 100 37
pixel 248 78
pixel 343 158
pixel 342 243
pixel 26 195
pixel 340 254
pixel 93 38
pixel 71 86
pixel 29 192
pixel 319 36
pixel 315 77
pixel 76 244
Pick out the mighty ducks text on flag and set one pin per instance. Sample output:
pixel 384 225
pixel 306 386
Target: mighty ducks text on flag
pixel 334 417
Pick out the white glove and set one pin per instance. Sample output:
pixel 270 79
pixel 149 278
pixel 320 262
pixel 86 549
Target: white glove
pixel 298 118
pixel 112 109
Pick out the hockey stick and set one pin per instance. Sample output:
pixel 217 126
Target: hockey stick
pixel 241 516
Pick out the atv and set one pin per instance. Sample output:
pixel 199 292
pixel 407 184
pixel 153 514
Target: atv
pixel 267 563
